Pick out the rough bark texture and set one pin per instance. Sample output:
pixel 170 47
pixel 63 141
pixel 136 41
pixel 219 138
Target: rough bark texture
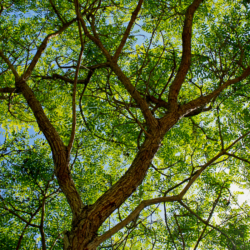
pixel 88 219
pixel 84 229
pixel 59 150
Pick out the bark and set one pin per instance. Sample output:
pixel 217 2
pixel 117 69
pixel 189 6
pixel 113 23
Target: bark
pixel 59 150
pixel 84 229
pixel 87 220
pixel 186 55
pixel 83 235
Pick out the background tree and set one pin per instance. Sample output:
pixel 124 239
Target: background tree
pixel 141 118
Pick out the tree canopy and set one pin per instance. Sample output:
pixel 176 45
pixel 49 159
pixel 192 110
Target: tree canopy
pixel 125 124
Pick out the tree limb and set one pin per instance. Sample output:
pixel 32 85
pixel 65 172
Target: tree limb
pixel 131 217
pixel 152 122
pixel 128 30
pixel 42 47
pixel 56 11
pixel 41 227
pixel 186 55
pixel 208 219
pixel 73 129
pixel 9 90
pixel 11 66
pixel 203 100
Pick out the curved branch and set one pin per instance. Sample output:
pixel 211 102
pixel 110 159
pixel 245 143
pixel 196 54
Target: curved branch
pixel 203 100
pixel 152 122
pixel 186 54
pixel 42 47
pixel 59 150
pixel 130 218
pixel 11 66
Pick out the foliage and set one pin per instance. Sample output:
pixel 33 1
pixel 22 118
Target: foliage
pixel 107 104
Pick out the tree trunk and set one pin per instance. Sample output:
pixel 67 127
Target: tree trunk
pixel 85 227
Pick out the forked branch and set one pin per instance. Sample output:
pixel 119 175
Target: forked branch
pixel 150 202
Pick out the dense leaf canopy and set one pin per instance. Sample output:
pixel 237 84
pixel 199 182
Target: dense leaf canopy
pixel 125 124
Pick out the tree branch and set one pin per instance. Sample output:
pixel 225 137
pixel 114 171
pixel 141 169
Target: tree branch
pixel 203 100
pixel 186 55
pixel 17 215
pixel 208 219
pixel 59 151
pixel 152 122
pixel 58 237
pixel 26 226
pixel 203 167
pixel 206 223
pixel 180 231
pixel 11 66
pixel 239 158
pixel 73 129
pixel 42 47
pixel 41 225
pixel 131 217
pixel 71 81
pixel 168 228
pixel 128 30
pixel 56 11
pixel 9 90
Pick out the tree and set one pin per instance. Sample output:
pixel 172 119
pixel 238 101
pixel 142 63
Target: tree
pixel 141 117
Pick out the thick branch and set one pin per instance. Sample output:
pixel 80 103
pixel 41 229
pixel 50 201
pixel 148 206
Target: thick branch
pixel 198 111
pixel 130 218
pixel 203 100
pixel 9 90
pixel 121 76
pixel 186 54
pixel 144 204
pixel 60 155
pixel 159 102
